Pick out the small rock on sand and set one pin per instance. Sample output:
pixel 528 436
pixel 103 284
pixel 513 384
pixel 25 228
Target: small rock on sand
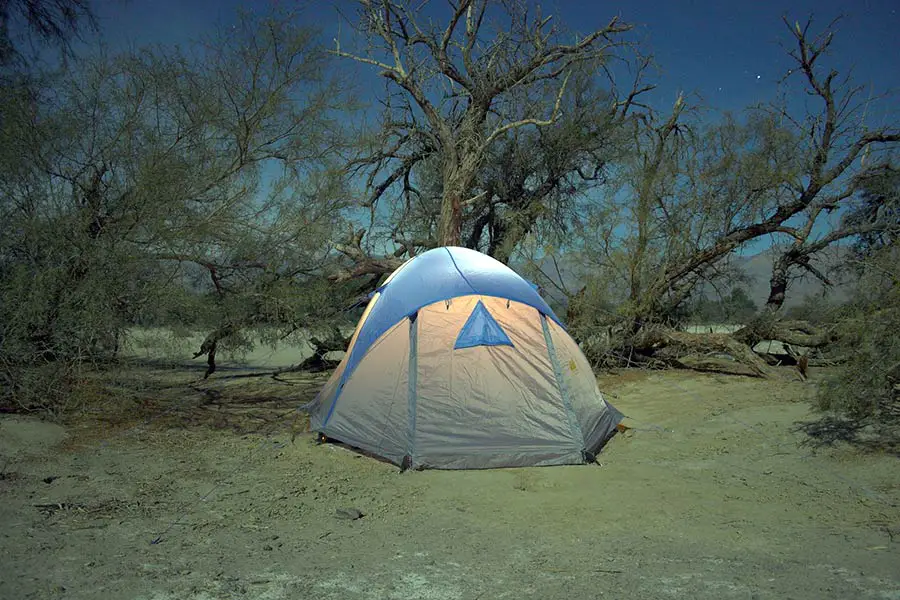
pixel 351 514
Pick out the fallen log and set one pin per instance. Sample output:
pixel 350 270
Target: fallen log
pixel 715 352
pixel 712 364
pixel 210 346
pixel 319 360
pixel 793 333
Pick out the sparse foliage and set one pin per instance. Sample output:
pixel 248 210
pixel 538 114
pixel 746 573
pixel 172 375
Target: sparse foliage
pixel 460 87
pixel 865 389
pixel 53 22
pixel 136 176
pixel 694 192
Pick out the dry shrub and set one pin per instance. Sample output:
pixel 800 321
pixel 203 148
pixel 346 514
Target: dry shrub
pixel 50 388
pixel 865 389
pixel 866 385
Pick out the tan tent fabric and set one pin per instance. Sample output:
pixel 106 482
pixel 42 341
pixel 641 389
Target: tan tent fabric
pixel 496 404
pixel 334 381
pixel 467 380
pixel 579 378
pixel 374 401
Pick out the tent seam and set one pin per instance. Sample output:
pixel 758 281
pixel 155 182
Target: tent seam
pixel 575 429
pixel 412 383
pixel 461 274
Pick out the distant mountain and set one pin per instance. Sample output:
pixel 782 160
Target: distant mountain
pixel 756 267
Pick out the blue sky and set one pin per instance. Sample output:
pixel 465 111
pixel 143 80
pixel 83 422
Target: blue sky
pixel 730 52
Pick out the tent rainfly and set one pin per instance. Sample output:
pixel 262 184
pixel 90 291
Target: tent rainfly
pixel 458 363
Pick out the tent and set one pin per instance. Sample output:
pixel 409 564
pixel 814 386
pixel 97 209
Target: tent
pixel 458 363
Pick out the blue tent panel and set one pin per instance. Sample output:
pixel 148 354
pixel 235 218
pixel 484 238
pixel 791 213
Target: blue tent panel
pixel 481 330
pixel 439 274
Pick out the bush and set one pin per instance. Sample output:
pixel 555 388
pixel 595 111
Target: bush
pixel 866 387
pixel 816 309
pixel 736 307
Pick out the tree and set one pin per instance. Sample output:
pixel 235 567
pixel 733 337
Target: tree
pixel 877 203
pixel 458 89
pixel 693 193
pixel 682 187
pixel 759 179
pixel 133 174
pixel 55 22
pixel 861 397
pixel 536 182
pixel 840 155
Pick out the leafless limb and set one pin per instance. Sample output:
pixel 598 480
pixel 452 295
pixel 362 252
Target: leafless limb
pixel 422 60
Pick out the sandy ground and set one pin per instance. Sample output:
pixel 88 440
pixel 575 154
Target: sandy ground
pixel 712 495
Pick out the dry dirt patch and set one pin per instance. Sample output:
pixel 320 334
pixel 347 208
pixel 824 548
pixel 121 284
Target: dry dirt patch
pixel 711 495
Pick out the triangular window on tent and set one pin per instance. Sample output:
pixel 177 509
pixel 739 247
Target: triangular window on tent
pixel 481 330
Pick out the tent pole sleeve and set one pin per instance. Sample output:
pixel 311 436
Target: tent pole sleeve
pixel 577 434
pixel 413 376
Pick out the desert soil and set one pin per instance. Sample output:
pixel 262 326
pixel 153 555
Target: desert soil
pixel 714 494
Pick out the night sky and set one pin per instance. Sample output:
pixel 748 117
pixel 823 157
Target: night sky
pixel 731 53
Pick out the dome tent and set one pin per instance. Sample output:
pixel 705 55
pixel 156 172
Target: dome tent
pixel 458 363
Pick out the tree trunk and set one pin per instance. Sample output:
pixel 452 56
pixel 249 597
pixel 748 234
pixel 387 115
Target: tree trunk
pixel 336 342
pixel 795 333
pixel 778 285
pixel 504 239
pixel 450 226
pixel 211 344
pixel 768 326
pixel 461 161
pixel 458 180
pixel 507 234
pixel 481 223
pixel 715 352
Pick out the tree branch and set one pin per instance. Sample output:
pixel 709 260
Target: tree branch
pixel 551 55
pixel 524 122
pixel 364 264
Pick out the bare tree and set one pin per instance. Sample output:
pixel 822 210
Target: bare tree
pixel 790 168
pixel 691 194
pixel 536 182
pixel 839 155
pixel 455 82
